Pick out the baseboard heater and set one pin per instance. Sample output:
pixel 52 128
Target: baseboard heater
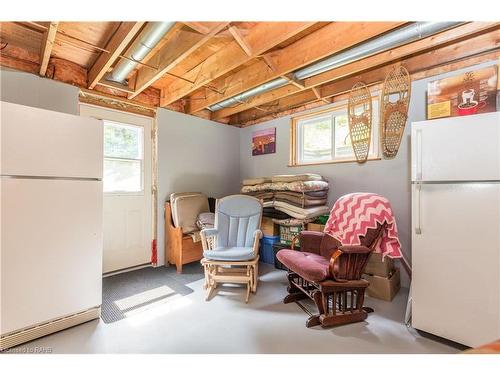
pixel 15 338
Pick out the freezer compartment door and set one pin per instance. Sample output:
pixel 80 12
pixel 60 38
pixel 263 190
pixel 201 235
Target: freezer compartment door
pixel 455 256
pixel 456 149
pixel 51 255
pixel 37 142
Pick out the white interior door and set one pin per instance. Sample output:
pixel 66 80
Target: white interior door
pixel 127 180
pixel 455 254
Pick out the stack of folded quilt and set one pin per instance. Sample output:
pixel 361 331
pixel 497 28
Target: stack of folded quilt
pixel 302 196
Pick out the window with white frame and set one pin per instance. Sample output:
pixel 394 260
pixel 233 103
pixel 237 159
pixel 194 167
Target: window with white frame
pixel 123 158
pixel 324 137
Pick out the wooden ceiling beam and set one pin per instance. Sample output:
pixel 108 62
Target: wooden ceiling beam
pixel 199 27
pixel 116 46
pixel 429 43
pixel 240 39
pixel 330 39
pixel 49 36
pixel 455 56
pixel 317 92
pixel 175 50
pixel 261 38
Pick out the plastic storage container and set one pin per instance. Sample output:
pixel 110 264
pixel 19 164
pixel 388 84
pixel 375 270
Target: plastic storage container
pixel 266 248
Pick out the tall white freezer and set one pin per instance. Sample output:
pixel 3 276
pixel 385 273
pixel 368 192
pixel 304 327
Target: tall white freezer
pixel 51 221
pixel 456 228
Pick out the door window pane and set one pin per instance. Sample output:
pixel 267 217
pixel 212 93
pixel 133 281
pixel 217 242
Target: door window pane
pixel 317 139
pixel 122 175
pixel 122 141
pixel 123 158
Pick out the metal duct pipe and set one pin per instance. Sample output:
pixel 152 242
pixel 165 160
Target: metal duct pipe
pixel 147 40
pixel 237 99
pixel 407 34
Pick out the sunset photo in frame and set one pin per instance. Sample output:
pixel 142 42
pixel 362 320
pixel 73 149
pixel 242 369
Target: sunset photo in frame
pixel 264 142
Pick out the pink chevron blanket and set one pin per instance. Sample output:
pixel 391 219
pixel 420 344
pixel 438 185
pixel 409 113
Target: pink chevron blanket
pixel 353 214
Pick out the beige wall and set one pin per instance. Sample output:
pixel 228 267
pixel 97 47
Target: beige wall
pixel 194 155
pixel 31 90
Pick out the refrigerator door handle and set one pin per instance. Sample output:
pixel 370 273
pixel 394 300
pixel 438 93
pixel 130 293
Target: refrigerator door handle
pixel 419 154
pixel 418 226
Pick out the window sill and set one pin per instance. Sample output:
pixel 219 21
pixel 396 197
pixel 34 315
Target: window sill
pixel 331 162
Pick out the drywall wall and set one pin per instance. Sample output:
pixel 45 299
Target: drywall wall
pixel 194 155
pixel 390 178
pixel 31 90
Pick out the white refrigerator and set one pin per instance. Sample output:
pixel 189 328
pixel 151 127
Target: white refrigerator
pixel 51 222
pixel 456 228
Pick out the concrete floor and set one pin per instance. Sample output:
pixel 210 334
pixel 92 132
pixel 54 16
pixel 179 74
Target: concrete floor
pixel 188 324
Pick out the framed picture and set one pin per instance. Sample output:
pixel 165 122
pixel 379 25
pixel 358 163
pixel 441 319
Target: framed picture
pixel 465 94
pixel 264 142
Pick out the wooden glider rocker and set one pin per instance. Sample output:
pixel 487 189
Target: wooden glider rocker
pixel 231 248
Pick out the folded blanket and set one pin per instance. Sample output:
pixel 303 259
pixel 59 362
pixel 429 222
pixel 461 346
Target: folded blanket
pixel 296 177
pixel 301 213
pixel 313 194
pixel 205 220
pixel 353 214
pixel 261 194
pixel 268 203
pixel 274 213
pixel 298 186
pixel 195 236
pixel 299 199
pixel 292 222
pixel 256 181
pixel 302 204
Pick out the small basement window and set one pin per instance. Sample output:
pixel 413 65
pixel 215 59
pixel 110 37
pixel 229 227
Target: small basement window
pixel 323 137
pixel 123 158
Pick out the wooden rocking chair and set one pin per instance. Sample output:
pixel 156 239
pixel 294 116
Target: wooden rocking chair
pixel 330 275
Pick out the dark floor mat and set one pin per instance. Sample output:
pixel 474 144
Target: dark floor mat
pixel 132 290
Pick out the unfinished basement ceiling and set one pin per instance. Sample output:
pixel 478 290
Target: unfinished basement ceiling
pixel 197 65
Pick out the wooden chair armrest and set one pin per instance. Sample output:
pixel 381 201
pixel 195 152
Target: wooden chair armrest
pixel 256 241
pixel 331 267
pixel 205 234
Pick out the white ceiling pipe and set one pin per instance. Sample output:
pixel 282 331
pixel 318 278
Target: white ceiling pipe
pixel 406 34
pixel 147 40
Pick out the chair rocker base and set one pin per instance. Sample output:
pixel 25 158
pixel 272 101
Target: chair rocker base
pixel 337 303
pixel 219 272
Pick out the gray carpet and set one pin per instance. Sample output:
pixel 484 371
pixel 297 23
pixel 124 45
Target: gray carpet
pixel 129 291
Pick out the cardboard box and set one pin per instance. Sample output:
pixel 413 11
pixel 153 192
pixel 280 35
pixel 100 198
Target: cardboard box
pixel 377 267
pixel 315 227
pixel 384 288
pixel 269 228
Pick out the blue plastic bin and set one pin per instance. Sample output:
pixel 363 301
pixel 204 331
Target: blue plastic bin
pixel 266 248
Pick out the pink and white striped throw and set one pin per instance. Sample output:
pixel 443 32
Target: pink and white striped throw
pixel 353 214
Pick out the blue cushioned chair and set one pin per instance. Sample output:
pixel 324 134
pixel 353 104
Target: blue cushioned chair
pixel 231 248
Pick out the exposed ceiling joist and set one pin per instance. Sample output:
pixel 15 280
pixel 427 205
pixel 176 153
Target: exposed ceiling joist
pixel 175 50
pixel 116 45
pixel 49 37
pixel 317 92
pixel 297 83
pixel 200 27
pixel 328 40
pixel 416 64
pixel 371 62
pixel 260 38
pixel 240 39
